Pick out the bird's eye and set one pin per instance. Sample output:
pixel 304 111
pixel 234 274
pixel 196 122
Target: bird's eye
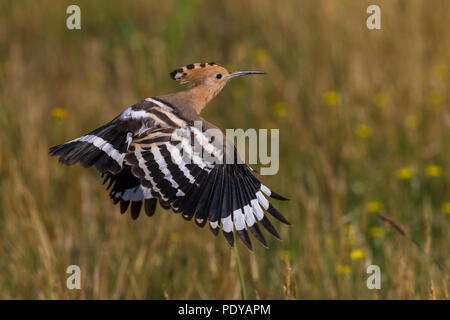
pixel 219 76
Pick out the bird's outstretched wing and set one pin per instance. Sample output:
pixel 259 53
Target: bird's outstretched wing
pixel 105 148
pixel 194 182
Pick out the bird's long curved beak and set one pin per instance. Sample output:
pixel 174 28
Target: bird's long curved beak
pixel 243 73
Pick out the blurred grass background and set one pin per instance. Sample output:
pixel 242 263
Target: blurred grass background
pixel 364 118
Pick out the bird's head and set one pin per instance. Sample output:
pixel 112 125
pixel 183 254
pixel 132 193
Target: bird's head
pixel 209 75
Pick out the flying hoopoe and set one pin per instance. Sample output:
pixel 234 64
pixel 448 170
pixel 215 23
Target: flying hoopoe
pixel 142 154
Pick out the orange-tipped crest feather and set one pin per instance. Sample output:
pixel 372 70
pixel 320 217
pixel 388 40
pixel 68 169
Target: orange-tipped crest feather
pixel 195 73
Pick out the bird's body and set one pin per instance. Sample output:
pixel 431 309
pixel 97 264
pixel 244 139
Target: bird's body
pixel 148 154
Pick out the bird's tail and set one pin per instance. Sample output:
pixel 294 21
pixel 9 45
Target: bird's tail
pixel 103 148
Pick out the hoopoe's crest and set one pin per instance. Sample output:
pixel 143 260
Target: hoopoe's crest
pixel 139 154
pixel 197 73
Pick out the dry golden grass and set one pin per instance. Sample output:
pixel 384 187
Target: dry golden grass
pixel 364 118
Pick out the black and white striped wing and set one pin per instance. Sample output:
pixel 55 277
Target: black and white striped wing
pixel 105 149
pixel 129 193
pixel 228 196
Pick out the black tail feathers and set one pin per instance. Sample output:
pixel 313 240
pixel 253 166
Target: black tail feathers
pixel 103 148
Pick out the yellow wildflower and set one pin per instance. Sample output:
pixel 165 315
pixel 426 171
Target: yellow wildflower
pixel 376 232
pixel 330 241
pixel 279 109
pixel 343 269
pixel 285 254
pixel 435 98
pixel 260 55
pixel 363 131
pixel 332 98
pixel 433 171
pixel 446 207
pixel 173 237
pixel 412 122
pixel 381 99
pixel 59 113
pixel 356 254
pixel 404 173
pixel 374 206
